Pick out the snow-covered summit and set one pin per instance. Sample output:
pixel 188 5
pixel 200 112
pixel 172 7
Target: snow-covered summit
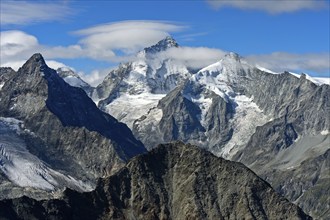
pixel 227 70
pixel 73 79
pixel 65 71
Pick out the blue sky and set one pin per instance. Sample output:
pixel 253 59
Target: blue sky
pixel 93 36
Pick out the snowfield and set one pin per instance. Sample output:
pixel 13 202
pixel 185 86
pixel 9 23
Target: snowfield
pixel 23 168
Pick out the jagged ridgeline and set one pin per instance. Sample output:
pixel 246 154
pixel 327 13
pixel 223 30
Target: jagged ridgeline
pixel 172 181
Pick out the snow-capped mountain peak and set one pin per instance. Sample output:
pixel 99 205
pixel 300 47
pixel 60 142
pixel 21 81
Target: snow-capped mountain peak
pixel 227 70
pixel 232 55
pixel 65 71
pixel 73 79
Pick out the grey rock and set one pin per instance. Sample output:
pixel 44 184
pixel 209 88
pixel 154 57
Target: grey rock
pixel 173 181
pixel 5 74
pixel 181 119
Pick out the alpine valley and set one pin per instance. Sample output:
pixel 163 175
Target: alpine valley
pixel 159 140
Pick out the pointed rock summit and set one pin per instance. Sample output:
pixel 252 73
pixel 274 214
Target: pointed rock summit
pixel 233 55
pixel 162 45
pixel 35 63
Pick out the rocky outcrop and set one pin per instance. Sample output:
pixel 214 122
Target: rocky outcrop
pixel 5 74
pixel 184 118
pixel 173 181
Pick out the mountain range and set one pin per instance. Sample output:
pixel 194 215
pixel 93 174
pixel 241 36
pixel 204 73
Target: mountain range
pixel 70 133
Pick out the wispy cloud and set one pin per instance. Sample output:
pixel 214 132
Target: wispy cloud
pixel 95 77
pixel 127 36
pixel 281 61
pixel 193 57
pixel 270 6
pixel 27 12
pixel 192 36
pixel 112 42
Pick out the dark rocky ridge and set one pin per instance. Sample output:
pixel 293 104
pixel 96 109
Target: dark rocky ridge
pixel 173 181
pixel 166 43
pixel 71 133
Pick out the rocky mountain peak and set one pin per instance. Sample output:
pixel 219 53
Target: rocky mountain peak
pixel 34 64
pixel 234 56
pixel 162 45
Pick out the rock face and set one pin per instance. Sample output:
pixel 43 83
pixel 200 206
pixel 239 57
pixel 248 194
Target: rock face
pixel 5 74
pixel 61 126
pixel 173 181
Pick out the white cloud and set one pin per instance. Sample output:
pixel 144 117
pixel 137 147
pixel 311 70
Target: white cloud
pixel 127 36
pixel 193 57
pixel 24 12
pixel 95 77
pixel 14 42
pixel 55 64
pixel 15 65
pixel 112 42
pixel 270 6
pixel 281 61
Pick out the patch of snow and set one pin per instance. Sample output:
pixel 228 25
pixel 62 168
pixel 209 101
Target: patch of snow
pixel 266 70
pixel 1 85
pixel 74 81
pixel 290 168
pixel 322 80
pixel 203 104
pixel 245 121
pixel 128 108
pixel 65 69
pixel 12 123
pixel 316 80
pixel 325 132
pixel 152 119
pixel 295 74
pixel 23 168
pixel 140 67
